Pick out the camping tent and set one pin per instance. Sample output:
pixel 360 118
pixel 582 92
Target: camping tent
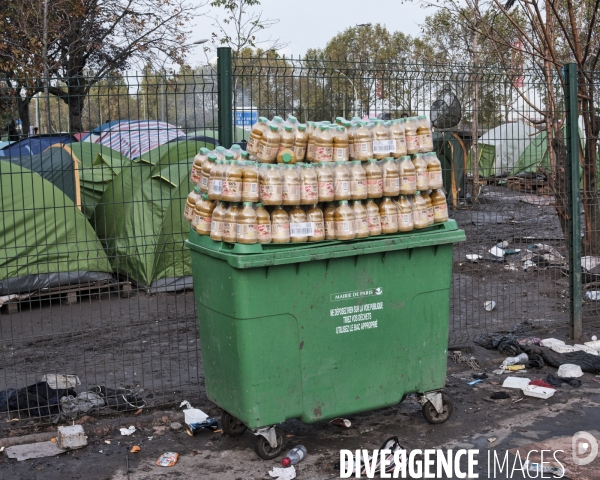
pixel 451 154
pixel 35 145
pixel 139 218
pixel 45 241
pixel 499 149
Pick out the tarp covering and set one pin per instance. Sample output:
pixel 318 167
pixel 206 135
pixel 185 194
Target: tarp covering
pixel 451 154
pixel 139 218
pixel 45 240
pixel 35 145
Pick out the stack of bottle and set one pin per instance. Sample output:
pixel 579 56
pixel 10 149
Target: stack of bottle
pixel 238 200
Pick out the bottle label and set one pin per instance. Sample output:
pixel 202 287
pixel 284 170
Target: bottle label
pixel 420 217
pixel 217 187
pixel 435 180
pixel 302 229
pixel 400 147
pixel 232 188
pixel 229 230
pixel 264 231
pixel 340 153
pixel 412 143
pixel 299 151
pixel 323 154
pixel 440 212
pixel 266 153
pixel 405 220
pixel 319 230
pixel 422 181
pixel 310 192
pixel 374 223
pixel 310 151
pixel 361 225
pixel 389 222
pixel 247 231
pixel 250 189
pixel 426 142
pixel 363 148
pixel 195 176
pixel 408 182
pixel 351 151
pixel 383 146
pixel 270 192
pixel 375 187
pixel 187 212
pixel 326 190
pixel 202 223
pixel 251 145
pixel 342 188
pixel 391 184
pixel 281 231
pixel 430 214
pixel 358 188
pixel 216 229
pixel 330 229
pixel 344 228
pixel 204 183
pixel 291 192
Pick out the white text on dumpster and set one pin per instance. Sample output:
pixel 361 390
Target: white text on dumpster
pixel 356 317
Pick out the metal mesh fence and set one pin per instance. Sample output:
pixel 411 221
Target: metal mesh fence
pixel 95 280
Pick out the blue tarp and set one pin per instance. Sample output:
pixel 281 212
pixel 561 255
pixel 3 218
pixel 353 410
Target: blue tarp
pixel 35 145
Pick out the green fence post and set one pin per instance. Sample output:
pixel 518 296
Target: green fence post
pixel 224 74
pixel 574 221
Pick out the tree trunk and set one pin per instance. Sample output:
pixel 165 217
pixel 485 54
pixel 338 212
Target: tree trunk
pixel 23 109
pixel 75 99
pixel 475 121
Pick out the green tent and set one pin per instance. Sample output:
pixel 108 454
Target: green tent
pixel 139 218
pixel 487 160
pixel 451 154
pixel 45 241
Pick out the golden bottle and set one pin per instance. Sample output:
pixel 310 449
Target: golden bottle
pixel 329 218
pixel 410 133
pixel 422 173
pixel 440 207
pixel 247 224
pixel 361 225
pixel 269 145
pixel 424 134
pixel 311 131
pixel 263 221
pixel 298 227
pixel 381 146
pixel 391 178
pixel 270 185
pixel 258 129
pixel 309 189
pixel 323 145
pixel 388 212
pixel 363 143
pixel 419 208
pixel 374 179
pixel 405 215
pixel 434 169
pixel 215 181
pixel 196 173
pixel 351 129
pixel 315 215
pixel 190 204
pixel 408 176
pixel 429 204
pixel 340 144
pixel 300 143
pixel 280 225
pixel 344 221
pixel 325 179
pixel 232 183
pixel 286 157
pixel 341 181
pixel 290 185
pixel 203 215
pixel 230 223
pixel 207 166
pixel 250 182
pixel 218 222
pixel 373 218
pixel 288 138
pixel 358 180
pixel 236 151
pixel 396 130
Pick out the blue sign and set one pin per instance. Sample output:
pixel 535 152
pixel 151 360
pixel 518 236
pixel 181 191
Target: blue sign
pixel 245 118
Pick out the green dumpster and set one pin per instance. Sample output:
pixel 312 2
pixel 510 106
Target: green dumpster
pixel 322 330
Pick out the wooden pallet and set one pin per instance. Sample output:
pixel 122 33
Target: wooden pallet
pixel 526 185
pixel 69 294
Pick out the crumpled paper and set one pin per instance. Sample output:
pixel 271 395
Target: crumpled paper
pixel 283 473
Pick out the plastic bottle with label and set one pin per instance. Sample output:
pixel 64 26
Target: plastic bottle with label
pixel 434 169
pixel 391 177
pixel 440 206
pixel 424 134
pixel 190 204
pixel 410 133
pixel 244 155
pixel 280 225
pixel 388 212
pixel 311 131
pixel 298 227
pixel 374 179
pixel 363 143
pixel 207 166
pixel 361 225
pixel 270 185
pixel 263 221
pixel 292 122
pixel 247 224
pixel 218 222
pixel 278 122
pixel 373 218
pixel 344 221
pixel 309 189
pixel 203 211
pixel 196 172
pixel 340 144
pixel 258 129
pixel 419 208
pixel 314 215
pixel 250 182
pixel 329 218
pixel 220 152
pixel 396 130
pixel 269 145
pixel 358 180
pixel 341 181
pixel 288 137
pixel 325 179
pixel 422 173
pixel 300 143
pixel 215 181
pixel 232 183
pixel 230 223
pixel 236 151
pixel 408 176
pixel 429 204
pixel 324 145
pixel 351 129
pixel 405 215
pixel 286 156
pixel 290 185
pixel 381 145
pixel 294 456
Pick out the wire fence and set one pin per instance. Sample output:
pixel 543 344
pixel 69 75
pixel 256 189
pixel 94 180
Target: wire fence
pixel 95 280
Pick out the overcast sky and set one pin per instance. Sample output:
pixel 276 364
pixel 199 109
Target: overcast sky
pixel 305 24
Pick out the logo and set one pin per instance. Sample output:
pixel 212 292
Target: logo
pixel 336 297
pixel 585 448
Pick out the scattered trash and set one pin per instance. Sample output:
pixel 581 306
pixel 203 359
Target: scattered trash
pixel 84 403
pixel 593 295
pixel 193 428
pixel 294 456
pixel 176 426
pixel 34 450
pixel 473 257
pixel 283 473
pixel 515 368
pixel 128 431
pixel 192 415
pixel 585 348
pixel 135 449
pixel 499 372
pixel 595 344
pixel 538 468
pixel 563 348
pixel 458 357
pixel 492 440
pixel 522 358
pixel 107 442
pixel 503 244
pixel 475 382
pixel 557 381
pixel 499 396
pixel 366 431
pixel 587 362
pixel 489 305
pixel 549 342
pixel 528 265
pixel 138 411
pixel 497 252
pixel 594 338
pixel 506 344
pixel 71 437
pixel 61 382
pixel 1 449
pixel 518 400
pixel 569 370
pixel 535 361
pixel 538 392
pixel 494 383
pixel 590 263
pixel 218 430
pixel 341 422
pixel 167 459
pixel 53 439
pixel 515 382
pixel 480 376
pixel 540 383
pixel 36 400
pixel 511 267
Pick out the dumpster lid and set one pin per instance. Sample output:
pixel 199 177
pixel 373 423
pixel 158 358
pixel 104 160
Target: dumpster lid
pixel 257 255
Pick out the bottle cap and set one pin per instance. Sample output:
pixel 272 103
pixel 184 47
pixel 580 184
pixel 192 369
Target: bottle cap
pixel 229 156
pixel 301 127
pixel 212 157
pixel 204 151
pixel 196 189
pixel 273 128
pixel 286 157
pixel 235 147
pixel 204 196
pixel 288 128
pixel 247 204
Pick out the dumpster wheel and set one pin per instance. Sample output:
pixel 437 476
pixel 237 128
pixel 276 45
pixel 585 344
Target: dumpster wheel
pixel 435 417
pixel 231 425
pixel 263 448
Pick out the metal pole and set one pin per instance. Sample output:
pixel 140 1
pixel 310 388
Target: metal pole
pixel 574 220
pixel 162 96
pixel 224 96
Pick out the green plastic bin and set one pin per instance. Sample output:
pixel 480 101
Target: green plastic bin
pixel 322 330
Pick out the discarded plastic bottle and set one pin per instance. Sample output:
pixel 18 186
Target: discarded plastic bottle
pixel 294 456
pixel 522 358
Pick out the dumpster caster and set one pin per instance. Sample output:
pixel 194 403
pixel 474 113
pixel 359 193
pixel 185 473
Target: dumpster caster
pixel 231 425
pixel 440 415
pixel 269 448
